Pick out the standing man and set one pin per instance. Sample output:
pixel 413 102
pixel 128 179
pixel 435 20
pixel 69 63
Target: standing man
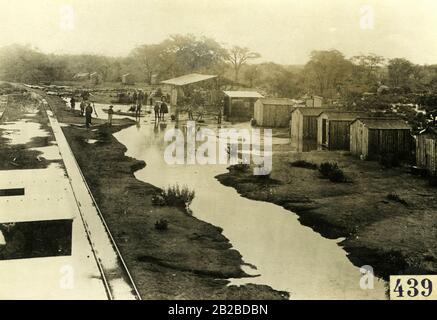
pixel 110 113
pixel 72 103
pixel 88 113
pixel 82 107
pixel 157 111
pixel 163 110
pixel 85 95
pixel 140 99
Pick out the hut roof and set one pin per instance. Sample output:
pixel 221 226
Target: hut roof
pixel 384 123
pixel 243 94
pixel 311 112
pixel 188 79
pixel 279 101
pixel 344 115
pixel 81 74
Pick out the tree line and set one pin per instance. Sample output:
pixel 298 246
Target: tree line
pixel 328 73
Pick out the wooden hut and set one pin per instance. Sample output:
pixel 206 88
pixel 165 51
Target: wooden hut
pixel 333 130
pixel 273 112
pixel 96 78
pixel 372 137
pixel 128 79
pixel 303 128
pixel 240 104
pixel 313 101
pixel 176 85
pixel 81 76
pixel 426 150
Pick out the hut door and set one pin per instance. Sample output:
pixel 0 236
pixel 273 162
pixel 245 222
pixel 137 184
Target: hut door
pixel 324 140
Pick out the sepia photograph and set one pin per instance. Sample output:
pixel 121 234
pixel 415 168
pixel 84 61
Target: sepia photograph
pixel 226 151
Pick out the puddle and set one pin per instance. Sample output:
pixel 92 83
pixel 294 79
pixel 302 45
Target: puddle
pixel 22 132
pixel 36 239
pixel 50 153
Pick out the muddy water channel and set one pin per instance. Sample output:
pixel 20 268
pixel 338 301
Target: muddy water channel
pixel 278 250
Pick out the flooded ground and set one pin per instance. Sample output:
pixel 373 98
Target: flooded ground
pixel 45 249
pixel 278 250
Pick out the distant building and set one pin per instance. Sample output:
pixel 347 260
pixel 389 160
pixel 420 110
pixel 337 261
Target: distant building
pixel 304 127
pixel 382 89
pixel 96 78
pixel 314 101
pixel 426 150
pixel 240 104
pixel 154 79
pixel 81 76
pixel 333 129
pixel 373 137
pixel 274 112
pixel 128 79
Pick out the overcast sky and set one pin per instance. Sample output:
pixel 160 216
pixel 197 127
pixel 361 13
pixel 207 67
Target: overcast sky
pixel 283 31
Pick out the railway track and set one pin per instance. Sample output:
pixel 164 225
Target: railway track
pixel 124 269
pixel 116 278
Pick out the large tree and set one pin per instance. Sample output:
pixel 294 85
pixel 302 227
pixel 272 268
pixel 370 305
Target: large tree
pixel 326 72
pixel 25 64
pixel 400 72
pixel 368 69
pixel 251 73
pixel 195 54
pixel 238 57
pixel 179 54
pixel 152 59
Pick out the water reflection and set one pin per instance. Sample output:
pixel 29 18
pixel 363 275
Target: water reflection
pixel 287 255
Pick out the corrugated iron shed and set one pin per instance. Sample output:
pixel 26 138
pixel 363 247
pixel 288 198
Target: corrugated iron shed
pixel 188 79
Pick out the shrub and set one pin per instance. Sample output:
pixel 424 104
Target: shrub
pixel 389 160
pixel 331 171
pixel 178 197
pixel 304 164
pixel 161 224
pixel 327 167
pixel 396 198
pixel 337 175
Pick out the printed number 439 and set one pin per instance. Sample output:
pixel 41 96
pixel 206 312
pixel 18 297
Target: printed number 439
pixel 413 288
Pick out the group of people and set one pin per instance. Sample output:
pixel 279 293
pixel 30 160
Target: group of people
pixel 86 107
pixel 138 97
pixel 160 108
